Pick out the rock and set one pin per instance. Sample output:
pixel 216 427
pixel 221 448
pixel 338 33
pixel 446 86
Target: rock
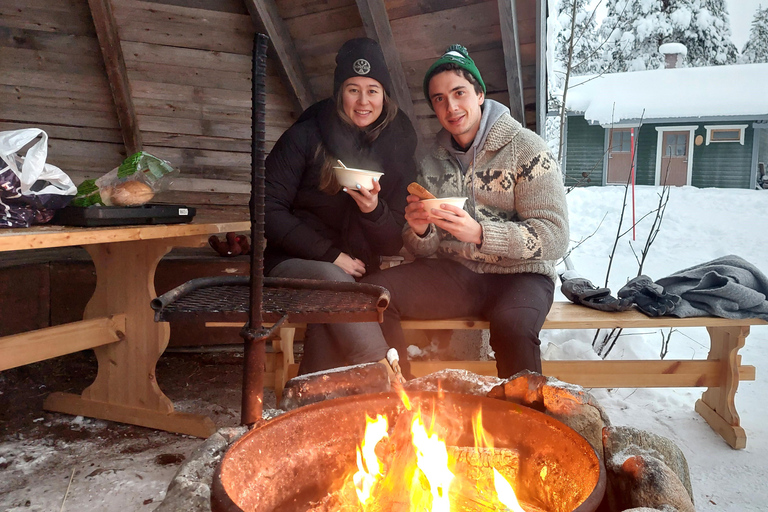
pixel 345 381
pixel 644 481
pixel 663 508
pixel 567 403
pixel 190 489
pixel 454 381
pixel 632 441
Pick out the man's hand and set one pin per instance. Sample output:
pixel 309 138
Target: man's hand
pixel 350 265
pixel 366 200
pixel 458 223
pixel 416 215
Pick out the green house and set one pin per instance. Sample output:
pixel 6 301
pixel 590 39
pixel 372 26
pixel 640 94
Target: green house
pixel 705 127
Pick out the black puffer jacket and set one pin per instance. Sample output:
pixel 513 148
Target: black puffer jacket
pixel 303 222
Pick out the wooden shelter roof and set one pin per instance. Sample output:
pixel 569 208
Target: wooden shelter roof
pixel 172 77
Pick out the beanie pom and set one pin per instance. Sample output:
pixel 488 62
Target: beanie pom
pixel 458 48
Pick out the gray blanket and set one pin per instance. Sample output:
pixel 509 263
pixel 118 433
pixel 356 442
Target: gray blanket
pixel 728 287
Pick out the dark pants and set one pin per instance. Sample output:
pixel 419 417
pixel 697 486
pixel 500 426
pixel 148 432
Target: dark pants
pixel 333 345
pixel 516 306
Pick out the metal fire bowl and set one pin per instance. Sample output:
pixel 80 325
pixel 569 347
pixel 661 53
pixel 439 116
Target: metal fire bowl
pixel 296 458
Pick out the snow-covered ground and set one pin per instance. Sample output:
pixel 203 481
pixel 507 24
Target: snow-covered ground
pixel 699 225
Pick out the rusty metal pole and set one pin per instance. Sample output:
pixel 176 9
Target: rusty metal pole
pixel 254 363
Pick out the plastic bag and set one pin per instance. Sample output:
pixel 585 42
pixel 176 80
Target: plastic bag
pixel 30 189
pixel 113 188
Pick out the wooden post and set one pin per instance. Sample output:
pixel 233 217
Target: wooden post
pixel 509 39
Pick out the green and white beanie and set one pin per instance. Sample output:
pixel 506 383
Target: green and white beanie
pixel 455 54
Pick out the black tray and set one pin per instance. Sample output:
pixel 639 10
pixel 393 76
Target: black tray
pixel 123 215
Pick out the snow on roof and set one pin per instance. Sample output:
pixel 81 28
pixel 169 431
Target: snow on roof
pixel 668 48
pixel 703 92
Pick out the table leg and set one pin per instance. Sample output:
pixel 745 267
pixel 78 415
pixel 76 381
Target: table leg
pixel 717 405
pixel 125 388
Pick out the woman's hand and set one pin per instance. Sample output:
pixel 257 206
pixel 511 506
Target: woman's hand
pixel 416 215
pixel 458 223
pixel 366 200
pixel 350 265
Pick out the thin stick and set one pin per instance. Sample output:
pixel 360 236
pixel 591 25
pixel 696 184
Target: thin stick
pixel 66 493
pixel 342 164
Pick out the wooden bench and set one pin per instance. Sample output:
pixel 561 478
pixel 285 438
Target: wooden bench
pixel 720 372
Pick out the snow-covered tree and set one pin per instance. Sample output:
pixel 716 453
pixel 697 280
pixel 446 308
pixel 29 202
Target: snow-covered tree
pixel 576 14
pixel 756 48
pixel 634 30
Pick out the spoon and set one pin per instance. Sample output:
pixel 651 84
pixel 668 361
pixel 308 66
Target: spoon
pixel 342 164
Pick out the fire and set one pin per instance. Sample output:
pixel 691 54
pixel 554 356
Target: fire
pixel 430 478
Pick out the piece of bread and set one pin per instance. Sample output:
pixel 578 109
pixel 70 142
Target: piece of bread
pixel 417 190
pixel 130 193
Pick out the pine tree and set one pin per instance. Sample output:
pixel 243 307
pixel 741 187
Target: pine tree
pixel 583 60
pixel 635 30
pixel 756 48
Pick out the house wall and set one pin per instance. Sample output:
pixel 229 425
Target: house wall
pixel 762 142
pixel 723 164
pixel 584 153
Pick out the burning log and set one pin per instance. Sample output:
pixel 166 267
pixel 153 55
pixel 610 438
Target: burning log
pixel 346 381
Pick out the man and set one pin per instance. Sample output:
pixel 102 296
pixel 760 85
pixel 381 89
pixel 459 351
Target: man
pixel 496 259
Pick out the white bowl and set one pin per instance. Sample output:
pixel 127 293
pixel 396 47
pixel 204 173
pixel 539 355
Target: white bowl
pixel 435 203
pixel 349 177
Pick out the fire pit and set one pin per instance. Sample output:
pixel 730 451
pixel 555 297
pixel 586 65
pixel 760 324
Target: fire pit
pixel 296 461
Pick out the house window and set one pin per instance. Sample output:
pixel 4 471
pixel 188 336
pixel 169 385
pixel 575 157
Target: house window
pixel 675 144
pixel 621 141
pixel 725 133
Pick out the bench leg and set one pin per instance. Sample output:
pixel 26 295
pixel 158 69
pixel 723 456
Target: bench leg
pixel 283 348
pixel 717 404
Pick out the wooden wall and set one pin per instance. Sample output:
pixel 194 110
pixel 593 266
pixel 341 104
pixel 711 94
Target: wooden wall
pixel 187 66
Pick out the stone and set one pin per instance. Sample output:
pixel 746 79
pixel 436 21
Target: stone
pixel 567 403
pixel 190 489
pixel 644 481
pixel 454 381
pixel 632 441
pixel 338 382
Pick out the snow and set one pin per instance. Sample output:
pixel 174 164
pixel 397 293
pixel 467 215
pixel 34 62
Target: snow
pixel 699 225
pixel 704 92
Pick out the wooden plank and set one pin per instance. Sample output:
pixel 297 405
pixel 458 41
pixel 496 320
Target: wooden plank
pixel 201 127
pixel 265 15
pixel 109 41
pixel 376 23
pixel 321 22
pixel 52 61
pixel 61 236
pixel 179 422
pixel 71 19
pixel 408 8
pixel 509 40
pixel 70 132
pixel 31 114
pixel 607 374
pixel 34 346
pixel 48 41
pixel 296 8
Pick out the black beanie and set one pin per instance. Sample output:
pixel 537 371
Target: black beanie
pixel 361 57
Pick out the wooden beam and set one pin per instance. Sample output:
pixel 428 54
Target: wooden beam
pixel 541 67
pixel 31 347
pixel 265 16
pixel 509 40
pixel 377 26
pixel 117 74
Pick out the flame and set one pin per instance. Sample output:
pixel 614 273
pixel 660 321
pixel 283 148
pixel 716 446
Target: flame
pixel 423 481
pixel 369 467
pixel 505 492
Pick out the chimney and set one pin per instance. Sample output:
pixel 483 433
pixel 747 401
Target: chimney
pixel 674 54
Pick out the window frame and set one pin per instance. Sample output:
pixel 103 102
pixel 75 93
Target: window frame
pixel 742 128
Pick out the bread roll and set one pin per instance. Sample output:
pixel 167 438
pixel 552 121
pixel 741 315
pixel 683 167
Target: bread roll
pixel 130 193
pixel 417 190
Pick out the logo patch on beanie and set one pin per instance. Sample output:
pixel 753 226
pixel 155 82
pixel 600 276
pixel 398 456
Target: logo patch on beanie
pixel 361 67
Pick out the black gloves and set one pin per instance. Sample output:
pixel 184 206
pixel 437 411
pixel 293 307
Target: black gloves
pixel 581 291
pixel 649 297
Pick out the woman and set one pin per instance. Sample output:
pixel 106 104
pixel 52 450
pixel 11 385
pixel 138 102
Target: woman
pixel 316 230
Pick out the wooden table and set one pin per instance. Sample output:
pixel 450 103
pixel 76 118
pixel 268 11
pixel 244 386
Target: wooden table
pixel 118 323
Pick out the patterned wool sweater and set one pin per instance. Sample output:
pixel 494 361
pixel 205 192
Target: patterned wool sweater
pixel 515 192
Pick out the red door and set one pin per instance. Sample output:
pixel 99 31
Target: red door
pixel 619 156
pixel 674 159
